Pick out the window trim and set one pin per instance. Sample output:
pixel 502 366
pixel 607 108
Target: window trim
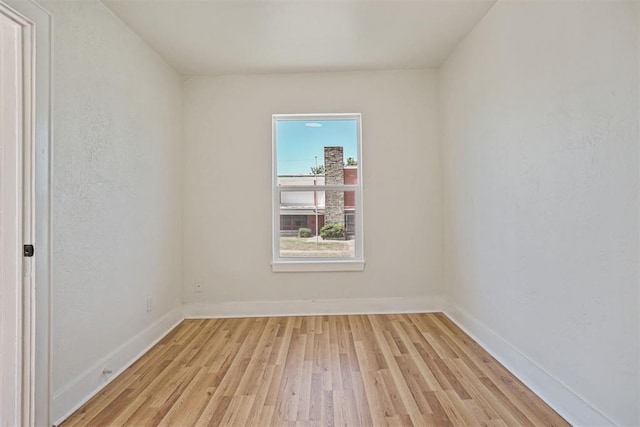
pixel 279 264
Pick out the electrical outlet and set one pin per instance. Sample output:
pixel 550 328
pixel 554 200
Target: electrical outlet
pixel 199 288
pixel 149 304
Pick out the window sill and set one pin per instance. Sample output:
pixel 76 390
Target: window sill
pixel 316 266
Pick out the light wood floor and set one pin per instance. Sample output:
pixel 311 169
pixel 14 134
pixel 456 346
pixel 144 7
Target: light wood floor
pixel 416 369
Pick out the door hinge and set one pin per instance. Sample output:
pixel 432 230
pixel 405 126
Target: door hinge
pixel 28 250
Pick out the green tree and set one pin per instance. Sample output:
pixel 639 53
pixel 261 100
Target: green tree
pixel 319 170
pixel 351 162
pixel 332 231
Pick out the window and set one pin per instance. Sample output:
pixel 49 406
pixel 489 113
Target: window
pixel 292 222
pixel 317 192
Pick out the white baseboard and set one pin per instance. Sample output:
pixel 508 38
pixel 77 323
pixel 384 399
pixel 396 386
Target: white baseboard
pixel 314 307
pixel 88 384
pixel 557 395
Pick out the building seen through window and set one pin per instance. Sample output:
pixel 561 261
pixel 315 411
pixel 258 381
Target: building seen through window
pixel 317 188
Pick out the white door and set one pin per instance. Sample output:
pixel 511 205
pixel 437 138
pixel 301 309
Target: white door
pixel 16 335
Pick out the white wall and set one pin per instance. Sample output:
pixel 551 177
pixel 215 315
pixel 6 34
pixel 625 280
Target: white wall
pixel 539 109
pixel 116 192
pixel 227 197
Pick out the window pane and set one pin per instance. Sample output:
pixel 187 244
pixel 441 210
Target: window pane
pixel 317 224
pixel 315 148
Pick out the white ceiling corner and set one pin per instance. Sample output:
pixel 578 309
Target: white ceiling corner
pixel 235 36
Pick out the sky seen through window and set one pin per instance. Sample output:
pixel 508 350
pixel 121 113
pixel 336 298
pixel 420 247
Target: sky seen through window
pixel 299 141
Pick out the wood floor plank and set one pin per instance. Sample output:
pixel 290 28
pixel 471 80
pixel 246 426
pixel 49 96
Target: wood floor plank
pixel 356 370
pixel 362 404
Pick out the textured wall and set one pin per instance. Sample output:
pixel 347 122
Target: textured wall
pixel 540 145
pixel 227 214
pixel 116 185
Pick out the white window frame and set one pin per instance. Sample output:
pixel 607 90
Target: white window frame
pixel 280 264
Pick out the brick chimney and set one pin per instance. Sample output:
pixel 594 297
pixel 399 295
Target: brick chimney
pixel 334 175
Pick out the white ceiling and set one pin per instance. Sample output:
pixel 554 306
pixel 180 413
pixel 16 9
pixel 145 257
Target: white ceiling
pixel 236 36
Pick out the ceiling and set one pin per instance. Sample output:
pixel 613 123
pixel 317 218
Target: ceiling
pixel 236 36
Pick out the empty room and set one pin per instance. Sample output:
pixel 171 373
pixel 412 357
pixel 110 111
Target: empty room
pixel 320 212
